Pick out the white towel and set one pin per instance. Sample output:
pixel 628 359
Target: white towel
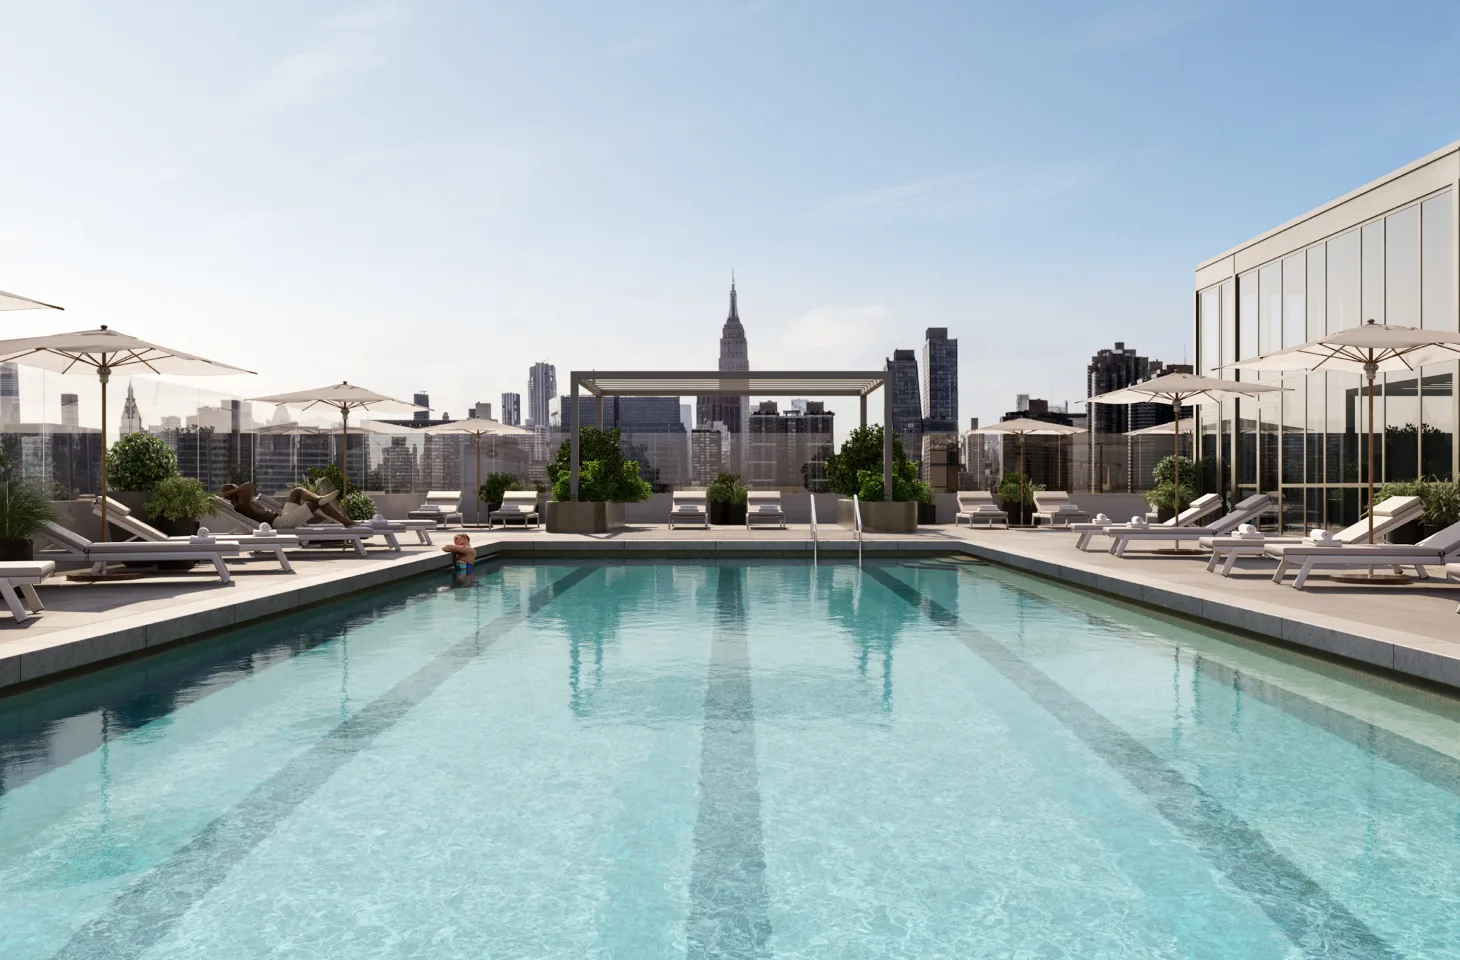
pixel 379 520
pixel 264 530
pixel 202 537
pixel 1317 535
pixel 1248 532
pixel 1101 518
pixel 1138 521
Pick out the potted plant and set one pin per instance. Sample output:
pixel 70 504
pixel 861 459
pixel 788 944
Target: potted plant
pixel 1441 502
pixel 1016 497
pixel 491 490
pixel 606 481
pixel 25 510
pixel 359 506
pixel 727 498
pixel 857 469
pixel 1162 495
pixel 135 465
pixel 178 504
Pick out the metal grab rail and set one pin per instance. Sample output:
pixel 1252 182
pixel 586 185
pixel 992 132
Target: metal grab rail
pixel 857 516
pixel 813 529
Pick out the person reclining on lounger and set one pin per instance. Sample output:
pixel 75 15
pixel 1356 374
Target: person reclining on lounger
pixel 299 506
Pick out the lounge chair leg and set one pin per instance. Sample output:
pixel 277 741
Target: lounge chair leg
pixel 1281 571
pixel 1083 542
pixel 1303 572
pixel 284 560
pixel 359 543
pixel 222 569
pixel 1231 562
pixel 32 599
pixel 17 610
pixel 1212 562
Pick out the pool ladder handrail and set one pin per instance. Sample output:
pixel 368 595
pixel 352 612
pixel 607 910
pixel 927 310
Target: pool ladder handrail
pixel 813 529
pixel 857 518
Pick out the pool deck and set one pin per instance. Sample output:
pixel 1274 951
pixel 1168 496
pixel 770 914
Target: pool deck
pixel 1412 630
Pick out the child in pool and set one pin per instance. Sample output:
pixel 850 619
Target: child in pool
pixel 462 552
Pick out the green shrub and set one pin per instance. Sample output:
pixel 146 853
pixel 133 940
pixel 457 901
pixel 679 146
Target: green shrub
pixel 727 488
pixel 359 506
pixel 496 484
pixel 25 508
pixel 180 498
pixel 1010 487
pixel 139 462
pixel 1441 499
pixel 857 468
pixel 330 474
pixel 603 473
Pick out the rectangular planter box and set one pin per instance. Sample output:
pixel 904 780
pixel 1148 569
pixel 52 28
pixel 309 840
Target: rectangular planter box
pixel 583 516
pixel 880 517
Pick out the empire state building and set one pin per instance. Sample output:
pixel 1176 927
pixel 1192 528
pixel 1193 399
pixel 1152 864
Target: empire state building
pixel 733 412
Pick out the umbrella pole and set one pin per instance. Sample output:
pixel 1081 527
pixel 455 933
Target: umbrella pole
pixel 477 510
pixel 1023 479
pixel 345 453
pixel 1176 439
pixel 103 373
pixel 1370 370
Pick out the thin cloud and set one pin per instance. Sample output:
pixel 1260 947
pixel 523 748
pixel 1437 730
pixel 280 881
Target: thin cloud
pixel 343 48
pixel 963 195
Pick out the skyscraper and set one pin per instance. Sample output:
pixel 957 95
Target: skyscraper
pixel 70 410
pixel 512 409
pixel 940 379
pixel 907 407
pixel 733 412
pixel 131 416
pixel 421 400
pixel 481 410
pixel 542 390
pixel 9 393
pixel 542 387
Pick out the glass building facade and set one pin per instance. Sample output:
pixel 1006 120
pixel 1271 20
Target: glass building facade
pixel 1386 252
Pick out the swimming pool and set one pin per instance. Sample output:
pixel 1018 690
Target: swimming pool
pixel 933 759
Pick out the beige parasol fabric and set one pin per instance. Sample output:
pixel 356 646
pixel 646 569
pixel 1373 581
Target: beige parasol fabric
pixel 1369 349
pixel 344 397
pixel 477 427
pixel 105 350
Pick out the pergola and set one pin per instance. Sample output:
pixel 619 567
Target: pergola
pixel 773 383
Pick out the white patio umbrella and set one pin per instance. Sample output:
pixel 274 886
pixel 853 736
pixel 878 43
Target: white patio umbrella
pixel 13 301
pixel 344 397
pixel 1022 427
pixel 1370 349
pixel 478 427
pixel 105 350
pixel 1180 390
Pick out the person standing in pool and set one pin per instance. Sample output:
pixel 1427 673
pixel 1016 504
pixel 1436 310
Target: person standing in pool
pixel 299 507
pixel 462 552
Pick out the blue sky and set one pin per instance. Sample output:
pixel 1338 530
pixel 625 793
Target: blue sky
pixel 434 195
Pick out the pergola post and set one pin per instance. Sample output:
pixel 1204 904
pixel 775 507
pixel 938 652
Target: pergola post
pixel 598 411
pixel 887 439
pixel 864 409
pixel 573 436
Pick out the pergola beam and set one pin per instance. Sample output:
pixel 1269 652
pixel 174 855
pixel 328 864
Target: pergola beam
pixel 702 383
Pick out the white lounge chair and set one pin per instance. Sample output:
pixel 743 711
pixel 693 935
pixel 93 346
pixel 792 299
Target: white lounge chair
pixel 516 505
pixel 72 546
pixel 1390 515
pixel 1437 550
pixel 1201 508
pixel 23 575
pixel 764 506
pixel 1057 509
pixel 441 507
pixel 262 541
pixel 689 507
pixel 321 533
pixel 978 506
pixel 1244 512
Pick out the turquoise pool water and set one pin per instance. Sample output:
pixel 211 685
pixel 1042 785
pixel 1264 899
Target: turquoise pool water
pixel 926 760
